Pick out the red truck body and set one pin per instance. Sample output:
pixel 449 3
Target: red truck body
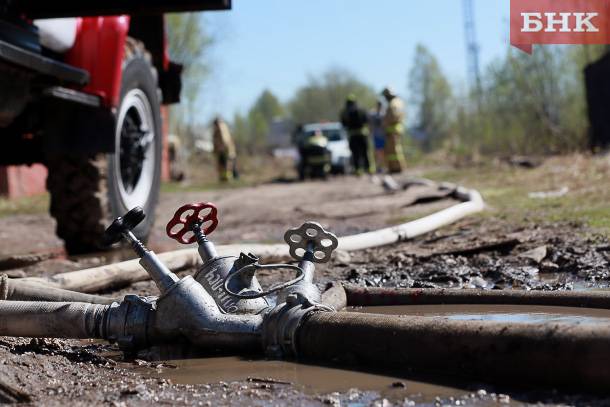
pixel 99 49
pixel 84 100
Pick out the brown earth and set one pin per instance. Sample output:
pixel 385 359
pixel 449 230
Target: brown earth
pixel 488 251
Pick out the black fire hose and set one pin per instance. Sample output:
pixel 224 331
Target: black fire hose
pixel 15 290
pixel 381 296
pixel 554 355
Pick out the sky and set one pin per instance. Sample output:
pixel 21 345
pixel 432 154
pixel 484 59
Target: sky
pixel 278 44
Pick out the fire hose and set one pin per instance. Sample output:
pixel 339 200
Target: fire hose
pixel 125 273
pixel 224 307
pixel 17 290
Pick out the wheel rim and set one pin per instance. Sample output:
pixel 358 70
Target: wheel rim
pixel 135 149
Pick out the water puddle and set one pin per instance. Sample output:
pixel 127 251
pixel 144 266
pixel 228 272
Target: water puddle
pixel 308 378
pixel 393 386
pixel 498 313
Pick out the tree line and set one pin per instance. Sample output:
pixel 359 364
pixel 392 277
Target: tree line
pixel 526 104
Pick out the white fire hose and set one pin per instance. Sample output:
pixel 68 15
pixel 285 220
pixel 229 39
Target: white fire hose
pixel 124 273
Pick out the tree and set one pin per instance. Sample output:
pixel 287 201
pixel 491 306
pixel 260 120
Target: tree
pixel 268 105
pixel 188 43
pixel 530 104
pixel 251 131
pixel 322 98
pixel 240 130
pixel 432 97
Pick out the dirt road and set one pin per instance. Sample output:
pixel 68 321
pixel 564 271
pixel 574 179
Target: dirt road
pixel 252 214
pixel 479 252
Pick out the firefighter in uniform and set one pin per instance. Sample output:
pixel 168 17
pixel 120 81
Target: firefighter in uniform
pixel 224 150
pixel 394 128
pixel 173 154
pixel 378 135
pixel 315 157
pixel 355 121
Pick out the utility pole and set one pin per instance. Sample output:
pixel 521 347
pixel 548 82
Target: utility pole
pixel 472 47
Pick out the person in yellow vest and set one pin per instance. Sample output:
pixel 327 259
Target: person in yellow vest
pixel 394 129
pixel 315 157
pixel 224 150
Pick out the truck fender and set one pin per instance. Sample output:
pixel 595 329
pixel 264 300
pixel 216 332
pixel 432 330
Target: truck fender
pixel 99 48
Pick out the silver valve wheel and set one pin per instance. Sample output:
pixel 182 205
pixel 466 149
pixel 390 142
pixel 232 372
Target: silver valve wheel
pixel 311 237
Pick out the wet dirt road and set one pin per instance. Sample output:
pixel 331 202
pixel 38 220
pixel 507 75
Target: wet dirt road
pixel 543 257
pixel 254 214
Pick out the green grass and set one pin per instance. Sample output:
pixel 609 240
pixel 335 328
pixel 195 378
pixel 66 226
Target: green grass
pixel 253 170
pixel 506 189
pixel 28 205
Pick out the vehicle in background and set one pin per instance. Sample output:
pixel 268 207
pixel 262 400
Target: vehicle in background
pixel 81 89
pixel 338 145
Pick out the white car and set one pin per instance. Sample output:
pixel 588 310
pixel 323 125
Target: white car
pixel 338 144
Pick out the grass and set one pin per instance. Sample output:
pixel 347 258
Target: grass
pixel 29 205
pixel 253 170
pixel 506 190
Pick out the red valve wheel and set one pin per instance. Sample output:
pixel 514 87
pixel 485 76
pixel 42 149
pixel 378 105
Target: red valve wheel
pixel 190 220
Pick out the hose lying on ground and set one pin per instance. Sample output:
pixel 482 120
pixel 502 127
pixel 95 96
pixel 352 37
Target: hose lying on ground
pixel 379 296
pixel 553 354
pixel 473 203
pixel 122 274
pixel 51 319
pixel 18 290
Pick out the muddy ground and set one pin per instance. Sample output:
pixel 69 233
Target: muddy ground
pixel 487 252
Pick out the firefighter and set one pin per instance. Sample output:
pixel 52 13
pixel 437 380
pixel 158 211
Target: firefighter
pixel 394 128
pixel 315 157
pixel 355 121
pixel 376 126
pixel 224 149
pixel 176 173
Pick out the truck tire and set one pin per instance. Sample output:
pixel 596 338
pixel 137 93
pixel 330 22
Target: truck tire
pixel 88 192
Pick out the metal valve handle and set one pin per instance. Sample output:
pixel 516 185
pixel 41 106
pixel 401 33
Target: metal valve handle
pixel 123 224
pixel 311 237
pixel 189 220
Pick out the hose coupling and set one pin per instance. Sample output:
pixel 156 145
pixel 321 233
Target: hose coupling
pixel 127 322
pixel 282 323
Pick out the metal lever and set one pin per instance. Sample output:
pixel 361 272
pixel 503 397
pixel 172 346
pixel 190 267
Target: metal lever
pixel 121 228
pixel 252 269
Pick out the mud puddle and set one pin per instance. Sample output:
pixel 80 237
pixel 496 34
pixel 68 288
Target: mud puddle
pixel 320 380
pixel 497 313
pixel 308 378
